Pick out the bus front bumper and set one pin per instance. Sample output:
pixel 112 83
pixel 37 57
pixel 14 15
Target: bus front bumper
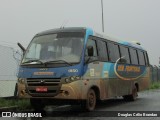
pixel 67 91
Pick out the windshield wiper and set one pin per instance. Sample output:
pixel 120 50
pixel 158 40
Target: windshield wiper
pixel 34 60
pixel 58 61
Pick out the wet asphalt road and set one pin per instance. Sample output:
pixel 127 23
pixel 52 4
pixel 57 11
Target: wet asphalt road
pixel 147 101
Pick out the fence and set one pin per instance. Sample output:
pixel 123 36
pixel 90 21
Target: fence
pixel 9 62
pixel 155 73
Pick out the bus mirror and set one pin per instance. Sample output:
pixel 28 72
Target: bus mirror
pixel 22 48
pixel 90 51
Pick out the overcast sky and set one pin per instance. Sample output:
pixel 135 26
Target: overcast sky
pixel 130 20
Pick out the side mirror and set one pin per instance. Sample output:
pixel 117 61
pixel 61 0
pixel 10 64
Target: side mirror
pixel 22 48
pixel 90 51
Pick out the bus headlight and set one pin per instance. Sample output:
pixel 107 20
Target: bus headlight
pixel 78 78
pixel 66 80
pixel 72 78
pixel 21 80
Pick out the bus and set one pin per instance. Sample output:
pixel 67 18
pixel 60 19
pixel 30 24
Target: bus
pixel 78 65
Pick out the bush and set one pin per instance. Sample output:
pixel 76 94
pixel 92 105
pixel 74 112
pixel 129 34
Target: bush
pixel 155 85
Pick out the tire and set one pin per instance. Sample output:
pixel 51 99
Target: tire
pixel 133 96
pixel 37 104
pixel 126 97
pixel 16 91
pixel 90 102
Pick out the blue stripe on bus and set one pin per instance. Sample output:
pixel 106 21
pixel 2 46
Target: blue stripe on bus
pixel 105 69
pixel 89 31
pixel 131 44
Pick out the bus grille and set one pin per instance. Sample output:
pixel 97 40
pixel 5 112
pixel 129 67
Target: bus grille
pixel 53 87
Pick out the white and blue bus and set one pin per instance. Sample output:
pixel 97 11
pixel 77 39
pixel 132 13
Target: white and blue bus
pixel 78 65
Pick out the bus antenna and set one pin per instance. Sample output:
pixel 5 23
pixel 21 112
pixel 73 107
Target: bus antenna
pixel 64 24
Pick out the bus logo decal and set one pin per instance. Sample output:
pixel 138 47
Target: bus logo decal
pixel 73 70
pixel 133 70
pixel 43 69
pixel 43 73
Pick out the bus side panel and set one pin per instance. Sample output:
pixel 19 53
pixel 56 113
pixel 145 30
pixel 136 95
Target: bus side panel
pixel 99 74
pixel 103 75
pixel 92 78
pixel 139 78
pixel 144 82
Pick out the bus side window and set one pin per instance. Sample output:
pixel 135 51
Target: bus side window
pixel 102 50
pixel 146 59
pixel 92 43
pixel 113 52
pixel 133 54
pixel 141 58
pixel 125 54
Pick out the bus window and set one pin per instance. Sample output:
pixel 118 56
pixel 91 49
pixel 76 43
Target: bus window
pixel 92 43
pixel 146 58
pixel 141 58
pixel 113 52
pixel 125 54
pixel 34 51
pixel 102 50
pixel 134 59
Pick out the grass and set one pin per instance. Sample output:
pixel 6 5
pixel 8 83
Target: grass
pixel 22 104
pixel 155 85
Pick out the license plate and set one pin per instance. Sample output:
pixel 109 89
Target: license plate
pixel 41 89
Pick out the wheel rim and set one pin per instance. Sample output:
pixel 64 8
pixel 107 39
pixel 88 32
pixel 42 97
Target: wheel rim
pixel 91 100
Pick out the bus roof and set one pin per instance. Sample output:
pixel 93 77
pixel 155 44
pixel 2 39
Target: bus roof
pixel 84 29
pixel 131 44
pixel 65 29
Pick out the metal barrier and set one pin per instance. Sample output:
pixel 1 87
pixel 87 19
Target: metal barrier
pixel 155 73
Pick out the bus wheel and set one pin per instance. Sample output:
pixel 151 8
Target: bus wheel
pixel 91 100
pixel 37 104
pixel 133 96
pixel 16 91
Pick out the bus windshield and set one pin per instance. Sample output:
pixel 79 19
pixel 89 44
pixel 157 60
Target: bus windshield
pixel 64 46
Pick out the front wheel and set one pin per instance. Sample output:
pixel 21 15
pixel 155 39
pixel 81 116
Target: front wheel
pixel 90 102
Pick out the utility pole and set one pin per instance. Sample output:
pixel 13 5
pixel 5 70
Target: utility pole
pixel 102 16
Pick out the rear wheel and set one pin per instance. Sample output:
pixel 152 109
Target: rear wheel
pixel 90 102
pixel 133 96
pixel 37 104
